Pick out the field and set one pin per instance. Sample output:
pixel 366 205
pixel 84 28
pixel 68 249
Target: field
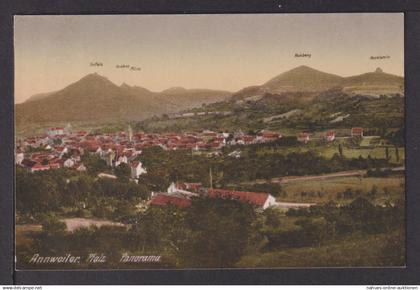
pixel 389 188
pixel 328 151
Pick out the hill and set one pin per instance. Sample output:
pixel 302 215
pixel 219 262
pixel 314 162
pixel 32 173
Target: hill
pixel 374 83
pixel 303 99
pixel 96 99
pixel 301 79
pixel 306 79
pixel 322 100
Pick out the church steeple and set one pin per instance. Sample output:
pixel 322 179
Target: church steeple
pixel 130 133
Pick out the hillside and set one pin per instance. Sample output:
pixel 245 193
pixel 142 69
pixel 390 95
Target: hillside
pixel 96 99
pixel 370 100
pixel 374 83
pixel 306 79
pixel 301 79
pixel 322 100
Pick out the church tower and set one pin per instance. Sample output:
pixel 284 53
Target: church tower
pixel 130 133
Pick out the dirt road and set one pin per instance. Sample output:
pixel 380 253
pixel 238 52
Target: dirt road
pixel 288 179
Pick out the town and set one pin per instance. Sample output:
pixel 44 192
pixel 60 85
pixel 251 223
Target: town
pixel 60 147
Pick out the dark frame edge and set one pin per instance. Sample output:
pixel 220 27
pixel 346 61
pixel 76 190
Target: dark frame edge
pixel 406 275
pixel 7 152
pixel 412 130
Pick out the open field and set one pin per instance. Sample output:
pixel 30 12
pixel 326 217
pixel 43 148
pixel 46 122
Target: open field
pixel 330 149
pixel 73 224
pixel 388 188
pixel 377 152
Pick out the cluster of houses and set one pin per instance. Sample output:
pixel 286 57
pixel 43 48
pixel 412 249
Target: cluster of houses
pixel 329 136
pixel 60 147
pixel 180 194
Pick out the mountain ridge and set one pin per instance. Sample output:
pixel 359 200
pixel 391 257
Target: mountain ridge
pixel 96 98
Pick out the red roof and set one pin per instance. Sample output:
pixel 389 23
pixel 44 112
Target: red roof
pixel 356 130
pixel 188 185
pixel 256 198
pixel 40 166
pixel 330 133
pixel 134 164
pixel 270 134
pixel 163 199
pixel 54 165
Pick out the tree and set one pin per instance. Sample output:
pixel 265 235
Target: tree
pixel 123 171
pixel 94 164
pixel 221 230
pixel 52 225
pixel 387 153
pixel 340 150
pixel 397 154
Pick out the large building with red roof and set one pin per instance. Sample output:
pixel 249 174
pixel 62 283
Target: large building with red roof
pixel 259 199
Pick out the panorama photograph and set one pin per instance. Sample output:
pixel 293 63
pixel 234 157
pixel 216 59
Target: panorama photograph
pixel 201 141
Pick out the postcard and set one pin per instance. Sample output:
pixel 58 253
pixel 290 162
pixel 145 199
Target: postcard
pixel 209 141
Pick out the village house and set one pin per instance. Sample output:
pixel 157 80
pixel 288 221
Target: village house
pixel 69 163
pixel 330 136
pixel 52 132
pixel 303 137
pixel 357 132
pixel 19 156
pixel 137 169
pixel 193 186
pixel 267 136
pixel 39 167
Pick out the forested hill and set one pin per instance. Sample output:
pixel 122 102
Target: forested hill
pixel 296 111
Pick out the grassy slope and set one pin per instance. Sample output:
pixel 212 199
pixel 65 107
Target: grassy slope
pixel 353 251
pixel 394 185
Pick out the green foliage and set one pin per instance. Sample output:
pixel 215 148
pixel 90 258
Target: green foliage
pixel 220 231
pixel 51 190
pixel 94 164
pixel 272 188
pixel 123 172
pixel 52 225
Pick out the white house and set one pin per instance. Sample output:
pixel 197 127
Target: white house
pixel 19 157
pixel 137 169
pixel 270 201
pixel 174 190
pixel 69 163
pixel 121 159
pixel 55 131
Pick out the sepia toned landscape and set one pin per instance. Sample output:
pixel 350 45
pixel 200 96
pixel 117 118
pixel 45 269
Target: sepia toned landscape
pixel 283 147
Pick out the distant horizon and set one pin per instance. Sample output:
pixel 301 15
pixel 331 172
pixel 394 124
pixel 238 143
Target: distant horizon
pixel 218 52
pixel 197 88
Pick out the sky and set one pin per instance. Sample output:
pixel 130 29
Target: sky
pixel 227 52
